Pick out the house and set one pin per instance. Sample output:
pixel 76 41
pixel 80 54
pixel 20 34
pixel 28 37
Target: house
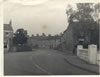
pixel 79 33
pixel 8 36
pixel 44 41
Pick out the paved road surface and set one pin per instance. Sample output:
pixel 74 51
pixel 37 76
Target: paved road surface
pixel 39 62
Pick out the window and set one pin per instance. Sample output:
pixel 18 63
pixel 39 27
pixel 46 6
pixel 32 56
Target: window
pixel 5 44
pixel 7 33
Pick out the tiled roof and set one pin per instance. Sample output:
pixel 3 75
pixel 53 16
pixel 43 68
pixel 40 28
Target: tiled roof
pixel 8 27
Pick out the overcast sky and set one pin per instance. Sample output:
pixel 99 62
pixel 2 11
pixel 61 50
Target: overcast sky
pixel 39 16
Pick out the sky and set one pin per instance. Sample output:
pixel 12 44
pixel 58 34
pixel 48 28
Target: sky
pixel 37 16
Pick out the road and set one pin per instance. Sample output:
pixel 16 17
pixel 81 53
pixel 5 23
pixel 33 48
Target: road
pixel 39 62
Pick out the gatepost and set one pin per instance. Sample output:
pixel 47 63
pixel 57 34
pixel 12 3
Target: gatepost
pixel 78 48
pixel 98 58
pixel 92 53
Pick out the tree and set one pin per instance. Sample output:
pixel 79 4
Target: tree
pixel 96 14
pixel 20 37
pixel 83 12
pixel 87 16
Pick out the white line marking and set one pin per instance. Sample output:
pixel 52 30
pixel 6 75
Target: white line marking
pixel 40 68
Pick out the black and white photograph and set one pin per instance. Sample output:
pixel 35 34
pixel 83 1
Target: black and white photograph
pixel 51 37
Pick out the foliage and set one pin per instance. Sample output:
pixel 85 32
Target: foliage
pixel 20 37
pixel 83 12
pixel 87 16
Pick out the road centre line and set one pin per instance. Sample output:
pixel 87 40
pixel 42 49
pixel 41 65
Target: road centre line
pixel 40 68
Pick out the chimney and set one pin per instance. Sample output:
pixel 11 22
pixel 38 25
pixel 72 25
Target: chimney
pixel 10 22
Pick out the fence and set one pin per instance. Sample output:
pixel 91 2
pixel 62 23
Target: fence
pixel 83 54
pixel 90 55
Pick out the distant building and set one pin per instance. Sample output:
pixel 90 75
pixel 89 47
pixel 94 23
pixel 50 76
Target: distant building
pixel 44 41
pixel 8 36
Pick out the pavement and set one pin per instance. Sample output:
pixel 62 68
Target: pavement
pixel 79 63
pixel 46 62
pixel 75 61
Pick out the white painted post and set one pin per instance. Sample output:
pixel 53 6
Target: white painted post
pixel 8 45
pixel 78 48
pixel 98 58
pixel 92 52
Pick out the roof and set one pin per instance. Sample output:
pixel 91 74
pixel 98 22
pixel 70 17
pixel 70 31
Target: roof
pixel 53 37
pixel 46 37
pixel 8 27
